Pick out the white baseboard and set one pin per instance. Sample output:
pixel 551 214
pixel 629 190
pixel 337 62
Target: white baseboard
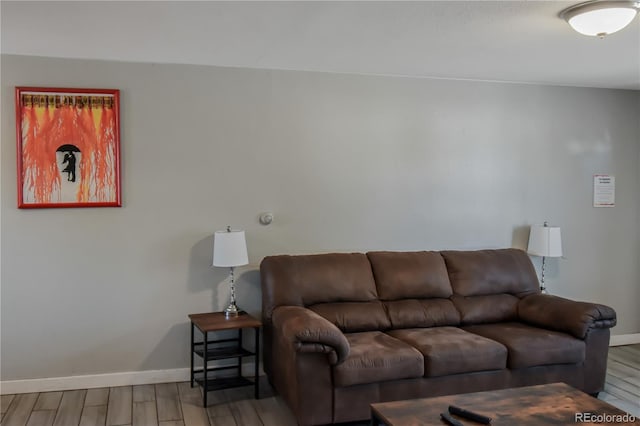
pixel 94 381
pixel 129 378
pixel 625 339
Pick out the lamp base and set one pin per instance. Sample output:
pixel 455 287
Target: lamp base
pixel 232 310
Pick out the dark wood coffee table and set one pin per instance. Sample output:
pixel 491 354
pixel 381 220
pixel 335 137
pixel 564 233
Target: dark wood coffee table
pixel 553 404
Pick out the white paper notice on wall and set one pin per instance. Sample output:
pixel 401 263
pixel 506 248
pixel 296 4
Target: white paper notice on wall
pixel 604 191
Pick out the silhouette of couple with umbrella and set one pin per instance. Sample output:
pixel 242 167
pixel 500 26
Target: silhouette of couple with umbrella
pixel 70 161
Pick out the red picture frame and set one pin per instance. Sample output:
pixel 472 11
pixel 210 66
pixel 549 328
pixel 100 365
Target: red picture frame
pixel 68 147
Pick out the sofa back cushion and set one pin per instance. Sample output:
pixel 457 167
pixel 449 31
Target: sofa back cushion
pixel 487 284
pixel 410 275
pixel 305 280
pixel 352 317
pixel 412 313
pixel 486 309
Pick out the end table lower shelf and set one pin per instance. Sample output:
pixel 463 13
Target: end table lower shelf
pixel 218 383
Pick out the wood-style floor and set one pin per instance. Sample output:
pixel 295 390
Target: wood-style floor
pixel 622 388
pixel 177 404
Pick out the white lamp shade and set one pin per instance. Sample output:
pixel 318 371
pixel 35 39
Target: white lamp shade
pixel 545 241
pixel 229 249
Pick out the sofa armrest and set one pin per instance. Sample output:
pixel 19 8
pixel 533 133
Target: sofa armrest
pixel 309 332
pixel 569 316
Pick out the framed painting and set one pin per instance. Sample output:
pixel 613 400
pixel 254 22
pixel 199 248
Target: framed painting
pixel 68 147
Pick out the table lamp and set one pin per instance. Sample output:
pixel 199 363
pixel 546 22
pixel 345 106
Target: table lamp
pixel 545 241
pixel 230 250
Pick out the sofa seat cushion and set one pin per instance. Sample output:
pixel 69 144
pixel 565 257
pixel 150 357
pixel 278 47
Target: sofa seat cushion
pixel 376 357
pixel 532 346
pixel 450 350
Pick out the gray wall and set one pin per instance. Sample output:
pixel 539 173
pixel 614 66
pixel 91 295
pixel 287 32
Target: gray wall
pixel 345 162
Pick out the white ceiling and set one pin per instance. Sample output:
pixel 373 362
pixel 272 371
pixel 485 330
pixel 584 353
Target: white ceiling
pixel 518 41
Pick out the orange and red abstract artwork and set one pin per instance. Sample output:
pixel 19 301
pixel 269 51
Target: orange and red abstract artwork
pixel 68 147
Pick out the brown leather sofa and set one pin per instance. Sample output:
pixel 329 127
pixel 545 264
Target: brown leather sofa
pixel 342 331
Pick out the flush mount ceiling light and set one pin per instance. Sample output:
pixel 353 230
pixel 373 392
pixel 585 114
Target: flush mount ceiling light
pixel 600 18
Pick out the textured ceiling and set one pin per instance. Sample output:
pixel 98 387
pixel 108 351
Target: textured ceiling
pixel 518 41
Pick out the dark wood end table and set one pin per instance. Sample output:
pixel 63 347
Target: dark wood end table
pixel 225 348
